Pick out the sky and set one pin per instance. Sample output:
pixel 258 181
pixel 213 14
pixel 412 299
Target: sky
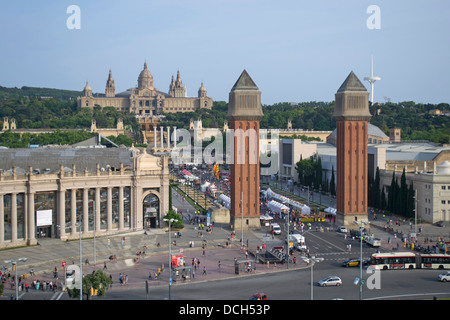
pixel 294 50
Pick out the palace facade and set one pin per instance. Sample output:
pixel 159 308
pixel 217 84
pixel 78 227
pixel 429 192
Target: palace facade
pixel 48 192
pixel 146 100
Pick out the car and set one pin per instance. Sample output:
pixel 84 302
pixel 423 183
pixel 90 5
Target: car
pixel 445 277
pixel 351 263
pixel 259 296
pixel 341 229
pixel 330 281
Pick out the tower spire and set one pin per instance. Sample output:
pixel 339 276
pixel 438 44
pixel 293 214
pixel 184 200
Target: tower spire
pixel 372 78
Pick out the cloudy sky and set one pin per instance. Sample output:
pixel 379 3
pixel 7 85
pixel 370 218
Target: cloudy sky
pixel 294 50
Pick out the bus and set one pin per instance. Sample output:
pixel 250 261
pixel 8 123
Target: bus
pixel 394 260
pixel 434 261
pixel 409 260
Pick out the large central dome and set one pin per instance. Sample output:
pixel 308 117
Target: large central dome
pixel 145 80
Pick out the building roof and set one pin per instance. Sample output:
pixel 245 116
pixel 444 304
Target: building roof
pixel 48 160
pixel 244 82
pixel 372 130
pixel 351 83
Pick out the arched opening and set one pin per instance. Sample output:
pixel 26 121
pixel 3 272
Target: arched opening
pixel 151 211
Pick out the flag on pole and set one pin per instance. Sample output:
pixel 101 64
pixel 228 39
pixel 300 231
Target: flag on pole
pixel 216 170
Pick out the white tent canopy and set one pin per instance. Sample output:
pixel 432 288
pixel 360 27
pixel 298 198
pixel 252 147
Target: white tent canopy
pixel 303 208
pixel 226 201
pixel 276 206
pixel 330 210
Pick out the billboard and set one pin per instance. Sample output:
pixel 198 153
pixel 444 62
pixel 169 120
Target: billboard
pixel 44 218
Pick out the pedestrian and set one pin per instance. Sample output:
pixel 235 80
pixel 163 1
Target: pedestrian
pixel 204 270
pixel 219 264
pixel 104 266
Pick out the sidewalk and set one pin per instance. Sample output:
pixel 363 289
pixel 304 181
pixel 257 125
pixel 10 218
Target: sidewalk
pixel 427 234
pixel 51 253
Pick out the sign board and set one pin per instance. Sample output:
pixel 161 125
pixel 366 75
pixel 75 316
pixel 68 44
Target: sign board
pixel 44 218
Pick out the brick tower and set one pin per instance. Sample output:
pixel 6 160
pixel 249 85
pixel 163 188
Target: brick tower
pixel 244 114
pixel 352 114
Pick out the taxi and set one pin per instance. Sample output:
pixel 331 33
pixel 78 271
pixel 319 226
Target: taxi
pixel 351 263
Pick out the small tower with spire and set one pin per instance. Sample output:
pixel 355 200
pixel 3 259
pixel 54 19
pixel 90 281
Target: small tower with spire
pixel 176 88
pixel 110 87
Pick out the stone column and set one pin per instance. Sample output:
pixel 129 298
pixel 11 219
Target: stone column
pixel 73 211
pixel 154 136
pixel 168 137
pixel 174 137
pixel 2 220
pixel 162 137
pixel 31 219
pixel 13 217
pixel 121 208
pixel 85 210
pixel 97 209
pixel 109 208
pixel 62 213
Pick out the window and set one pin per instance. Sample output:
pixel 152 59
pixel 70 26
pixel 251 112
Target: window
pixel 443 187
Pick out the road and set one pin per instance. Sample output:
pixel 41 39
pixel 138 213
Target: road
pixel 291 284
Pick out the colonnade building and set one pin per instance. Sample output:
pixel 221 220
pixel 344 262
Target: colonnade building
pixel 50 191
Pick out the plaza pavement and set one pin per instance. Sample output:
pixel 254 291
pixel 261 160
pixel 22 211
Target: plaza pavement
pixel 51 253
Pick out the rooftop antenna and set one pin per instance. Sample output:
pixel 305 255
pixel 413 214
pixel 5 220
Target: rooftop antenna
pixel 372 79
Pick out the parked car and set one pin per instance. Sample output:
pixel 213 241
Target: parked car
pixel 445 277
pixel 351 263
pixel 342 229
pixel 330 281
pixel 259 296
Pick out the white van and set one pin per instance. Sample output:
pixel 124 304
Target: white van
pixel 276 228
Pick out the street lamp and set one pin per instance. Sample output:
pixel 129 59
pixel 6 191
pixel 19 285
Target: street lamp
pixel 14 263
pixel 312 260
pixel 170 253
pixel 81 263
pixel 360 280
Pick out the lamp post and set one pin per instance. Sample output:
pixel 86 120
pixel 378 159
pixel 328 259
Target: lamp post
pixel 360 281
pixel 170 255
pixel 312 260
pixel 14 263
pixel 81 262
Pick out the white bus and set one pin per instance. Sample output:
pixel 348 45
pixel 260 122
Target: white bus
pixel 394 260
pixel 434 261
pixel 409 260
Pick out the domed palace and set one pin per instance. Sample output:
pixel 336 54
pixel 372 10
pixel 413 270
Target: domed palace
pixel 146 100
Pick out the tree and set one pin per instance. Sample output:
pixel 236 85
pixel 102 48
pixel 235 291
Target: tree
pixel 332 183
pixel 98 281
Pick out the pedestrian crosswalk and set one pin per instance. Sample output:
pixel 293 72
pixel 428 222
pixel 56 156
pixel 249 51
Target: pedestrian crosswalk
pixel 340 256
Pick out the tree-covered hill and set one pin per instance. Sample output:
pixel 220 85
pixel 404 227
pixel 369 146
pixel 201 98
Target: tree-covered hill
pixel 32 111
pixel 414 119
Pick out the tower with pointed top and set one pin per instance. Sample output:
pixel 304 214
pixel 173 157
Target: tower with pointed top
pixel 177 89
pixel 352 115
pixel 244 115
pixel 110 90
